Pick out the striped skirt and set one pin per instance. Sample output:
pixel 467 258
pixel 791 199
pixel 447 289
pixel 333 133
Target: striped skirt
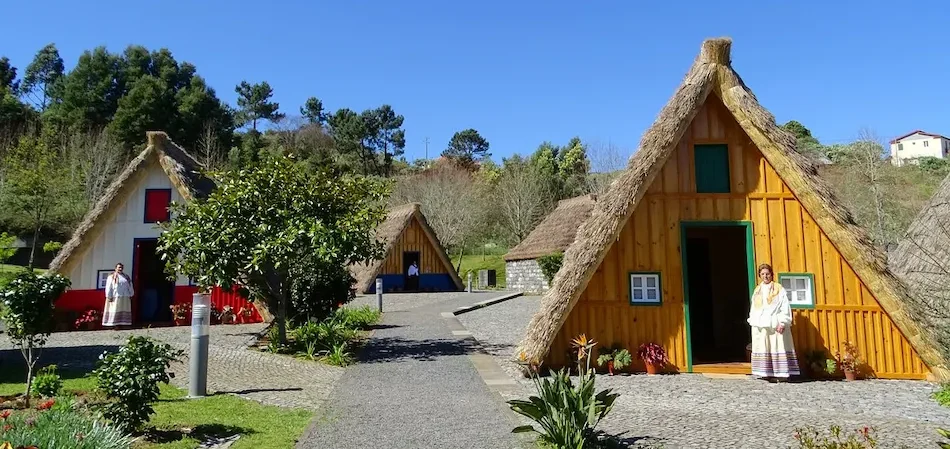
pixel 118 312
pixel 773 354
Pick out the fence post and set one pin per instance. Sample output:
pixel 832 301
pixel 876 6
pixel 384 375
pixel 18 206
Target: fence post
pixel 379 294
pixel 200 329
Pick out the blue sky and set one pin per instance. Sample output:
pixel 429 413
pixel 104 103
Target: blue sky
pixel 524 72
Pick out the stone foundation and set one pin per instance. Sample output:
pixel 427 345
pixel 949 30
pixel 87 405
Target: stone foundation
pixel 525 275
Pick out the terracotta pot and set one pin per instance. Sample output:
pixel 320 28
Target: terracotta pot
pixel 849 375
pixel 651 368
pixel 610 367
pixel 181 321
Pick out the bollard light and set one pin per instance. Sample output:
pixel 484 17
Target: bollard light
pixel 469 281
pixel 379 294
pixel 200 330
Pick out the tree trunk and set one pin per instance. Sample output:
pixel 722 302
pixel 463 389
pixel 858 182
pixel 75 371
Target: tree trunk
pixel 458 267
pixel 282 316
pixel 28 355
pixel 36 238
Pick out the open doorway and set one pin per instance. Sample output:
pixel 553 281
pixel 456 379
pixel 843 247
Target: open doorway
pixel 410 263
pixel 717 268
pixel 154 292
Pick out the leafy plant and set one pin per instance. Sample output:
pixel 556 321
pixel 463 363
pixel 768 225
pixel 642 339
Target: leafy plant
pixel 181 311
pixel 339 355
pixel 566 415
pixel 946 436
pixel 620 356
pixel 849 360
pixel 809 438
pixel 584 348
pixel 47 382
pixel 90 316
pixel 6 246
pixel 61 428
pixel 227 315
pixel 28 314
pixel 942 396
pixel 360 318
pixel 550 264
pixel 130 379
pixel 653 353
pixel 831 366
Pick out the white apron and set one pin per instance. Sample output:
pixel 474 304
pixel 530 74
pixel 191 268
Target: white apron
pixel 773 354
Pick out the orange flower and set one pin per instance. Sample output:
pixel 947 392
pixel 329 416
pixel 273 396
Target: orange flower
pixel 46 405
pixel 4 415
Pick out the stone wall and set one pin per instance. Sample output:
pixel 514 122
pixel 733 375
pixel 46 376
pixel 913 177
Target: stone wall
pixel 525 275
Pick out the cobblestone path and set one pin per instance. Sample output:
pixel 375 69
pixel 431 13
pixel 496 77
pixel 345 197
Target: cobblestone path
pixel 694 411
pixel 414 387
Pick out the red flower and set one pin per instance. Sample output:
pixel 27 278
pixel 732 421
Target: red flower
pixel 4 415
pixel 7 427
pixel 46 405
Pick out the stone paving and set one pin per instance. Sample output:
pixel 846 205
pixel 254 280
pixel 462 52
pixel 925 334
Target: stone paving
pixel 232 368
pixel 694 411
pixel 414 387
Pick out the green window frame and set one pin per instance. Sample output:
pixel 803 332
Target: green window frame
pixel 645 288
pixel 712 168
pixel 799 296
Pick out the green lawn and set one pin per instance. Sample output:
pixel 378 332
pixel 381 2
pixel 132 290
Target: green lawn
pixel 477 262
pixel 4 268
pixel 260 426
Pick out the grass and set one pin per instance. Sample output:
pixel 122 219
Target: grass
pixel 942 396
pixel 261 426
pixel 477 262
pixel 5 268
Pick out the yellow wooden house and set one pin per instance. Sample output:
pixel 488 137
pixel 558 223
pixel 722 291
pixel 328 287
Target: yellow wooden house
pixel 668 254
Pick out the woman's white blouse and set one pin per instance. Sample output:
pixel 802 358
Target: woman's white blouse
pixel 770 315
pixel 117 286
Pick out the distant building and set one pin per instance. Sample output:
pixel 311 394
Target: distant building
pixel 907 149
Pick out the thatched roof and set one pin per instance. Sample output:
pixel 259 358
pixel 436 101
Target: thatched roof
pixel 183 170
pixel 556 232
pixel 712 73
pixel 388 233
pixel 922 260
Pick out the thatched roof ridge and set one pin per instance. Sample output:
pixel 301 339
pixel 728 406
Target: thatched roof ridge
pixel 922 260
pixel 184 171
pixel 388 232
pixel 556 232
pixel 712 72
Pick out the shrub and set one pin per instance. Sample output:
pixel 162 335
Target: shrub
pixel 130 380
pixel 809 438
pixel 942 396
pixel 339 355
pixel 60 428
pixel 620 356
pixel 361 318
pixel 566 414
pixel 550 264
pixel 652 353
pixel 47 382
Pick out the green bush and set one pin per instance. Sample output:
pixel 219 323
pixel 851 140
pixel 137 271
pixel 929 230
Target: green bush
pixel 942 396
pixel 130 380
pixel 361 318
pixel 60 428
pixel 809 438
pixel 47 382
pixel 550 264
pixel 566 414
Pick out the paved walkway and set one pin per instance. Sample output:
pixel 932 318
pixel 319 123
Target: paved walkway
pixel 414 387
pixel 694 411
pixel 232 368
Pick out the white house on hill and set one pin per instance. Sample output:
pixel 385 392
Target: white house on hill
pixel 907 149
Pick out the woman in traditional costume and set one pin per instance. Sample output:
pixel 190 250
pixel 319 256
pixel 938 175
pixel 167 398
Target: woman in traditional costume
pixel 119 292
pixel 773 351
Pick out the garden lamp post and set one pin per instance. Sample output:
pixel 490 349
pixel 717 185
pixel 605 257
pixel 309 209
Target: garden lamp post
pixel 469 281
pixel 200 329
pixel 379 294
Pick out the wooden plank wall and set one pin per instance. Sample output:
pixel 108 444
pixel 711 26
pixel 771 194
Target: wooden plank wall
pixel 413 239
pixel 785 235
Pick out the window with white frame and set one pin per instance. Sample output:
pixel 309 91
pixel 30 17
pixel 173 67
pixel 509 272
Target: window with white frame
pixel 800 288
pixel 926 143
pixel 645 288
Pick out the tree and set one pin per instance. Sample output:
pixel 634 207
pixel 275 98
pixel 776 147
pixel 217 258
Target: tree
pixel 806 143
pixel 573 168
pixel 42 76
pixel 384 135
pixel 8 75
pixel 466 148
pixel 264 225
pixel 35 185
pixel 521 199
pixel 313 111
pixel 254 103
pixel 368 141
pixel 28 314
pixel 544 163
pixel 89 95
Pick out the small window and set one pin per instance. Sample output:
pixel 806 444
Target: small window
pixel 800 288
pixel 156 205
pixel 712 168
pixel 926 143
pixel 900 147
pixel 645 289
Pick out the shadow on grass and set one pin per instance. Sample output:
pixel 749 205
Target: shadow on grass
pixel 71 362
pixel 397 349
pixel 206 433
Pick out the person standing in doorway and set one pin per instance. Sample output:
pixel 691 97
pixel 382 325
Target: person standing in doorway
pixel 119 292
pixel 773 351
pixel 413 276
